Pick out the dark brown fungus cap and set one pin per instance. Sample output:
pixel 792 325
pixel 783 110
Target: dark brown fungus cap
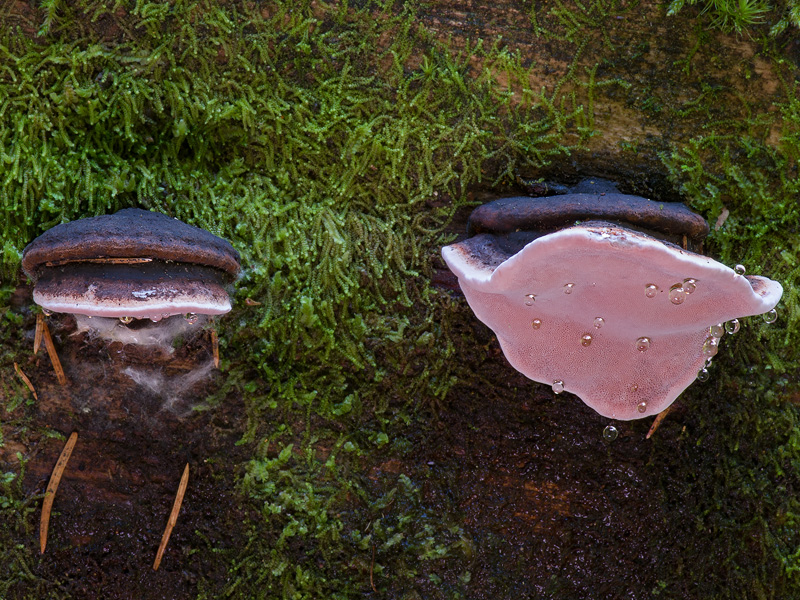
pixel 134 263
pixel 129 233
pixel 671 220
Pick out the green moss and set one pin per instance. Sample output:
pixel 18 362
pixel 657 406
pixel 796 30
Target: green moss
pixel 331 144
pixel 317 165
pixel 327 535
pixel 755 181
pixel 17 509
pixel 745 16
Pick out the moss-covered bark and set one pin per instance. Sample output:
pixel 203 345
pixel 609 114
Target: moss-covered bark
pixel 393 449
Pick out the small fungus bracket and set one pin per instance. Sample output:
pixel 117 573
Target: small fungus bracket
pixel 132 264
pixel 604 309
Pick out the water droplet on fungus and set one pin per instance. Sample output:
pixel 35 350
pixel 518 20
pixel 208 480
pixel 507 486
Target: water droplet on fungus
pixel 650 290
pixel 568 288
pixel 702 375
pixel 717 330
pixel 689 285
pixel 677 294
pixel 558 386
pixel 771 316
pixel 732 326
pixel 710 347
pixel 642 406
pixel 586 340
pixel 642 344
pixel 536 323
pixel 599 322
pixel 191 318
pixel 531 298
pixel 125 320
pixel 739 269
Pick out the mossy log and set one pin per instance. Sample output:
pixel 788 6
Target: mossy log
pixel 364 424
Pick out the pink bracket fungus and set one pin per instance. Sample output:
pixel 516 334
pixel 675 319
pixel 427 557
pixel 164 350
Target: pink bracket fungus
pixel 621 319
pixel 134 264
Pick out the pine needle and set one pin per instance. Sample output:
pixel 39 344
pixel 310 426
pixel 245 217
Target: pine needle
pixel 26 380
pixel 215 347
pixel 37 336
pixel 50 494
pixel 173 517
pixel 659 417
pixel 51 351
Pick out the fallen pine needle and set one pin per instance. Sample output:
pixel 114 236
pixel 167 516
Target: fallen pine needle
pixel 50 494
pixel 26 380
pixel 37 335
pixel 173 517
pixel 659 417
pixel 215 347
pixel 51 351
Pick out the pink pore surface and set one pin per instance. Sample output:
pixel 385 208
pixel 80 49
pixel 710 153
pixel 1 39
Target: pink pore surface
pixel 609 269
pixel 152 308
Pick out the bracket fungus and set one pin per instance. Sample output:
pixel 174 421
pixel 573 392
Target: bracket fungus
pixel 602 309
pixel 134 264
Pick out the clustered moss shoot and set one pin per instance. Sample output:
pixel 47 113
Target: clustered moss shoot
pixel 743 16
